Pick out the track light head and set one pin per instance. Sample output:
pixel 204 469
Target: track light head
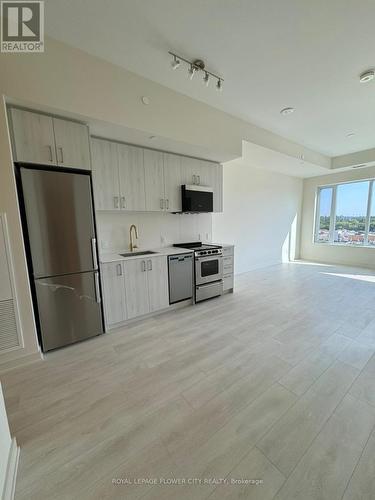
pixel 175 63
pixel 206 79
pixel 191 71
pixel 219 85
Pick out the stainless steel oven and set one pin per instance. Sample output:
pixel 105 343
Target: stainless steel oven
pixel 208 264
pixel 208 268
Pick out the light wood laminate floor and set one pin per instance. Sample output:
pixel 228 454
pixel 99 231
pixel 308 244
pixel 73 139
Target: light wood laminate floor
pixel 275 383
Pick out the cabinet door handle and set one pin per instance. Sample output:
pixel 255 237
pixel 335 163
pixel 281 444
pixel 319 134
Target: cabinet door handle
pixel 199 179
pixel 94 253
pixel 149 265
pixel 161 203
pixel 194 179
pixel 115 201
pixel 143 265
pixel 167 204
pixel 123 202
pixel 61 154
pixel 97 288
pixel 119 270
pixel 50 153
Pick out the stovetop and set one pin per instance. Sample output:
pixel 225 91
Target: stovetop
pixel 197 246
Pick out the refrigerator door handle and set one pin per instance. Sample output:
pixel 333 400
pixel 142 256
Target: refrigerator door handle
pixel 94 253
pixel 97 288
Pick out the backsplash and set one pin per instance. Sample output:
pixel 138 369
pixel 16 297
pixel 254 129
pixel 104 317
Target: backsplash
pixel 154 229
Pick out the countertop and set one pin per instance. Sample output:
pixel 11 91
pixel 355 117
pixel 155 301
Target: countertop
pixel 113 257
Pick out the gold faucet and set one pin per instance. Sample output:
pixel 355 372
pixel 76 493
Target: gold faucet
pixel 132 245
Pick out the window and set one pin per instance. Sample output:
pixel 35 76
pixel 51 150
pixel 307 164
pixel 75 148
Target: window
pixel 324 220
pixel 351 213
pixel 371 231
pixel 346 214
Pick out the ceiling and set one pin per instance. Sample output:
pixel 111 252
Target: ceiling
pixel 271 53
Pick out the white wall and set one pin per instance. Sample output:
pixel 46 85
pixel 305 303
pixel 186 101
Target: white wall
pixel 154 229
pixel 261 216
pixel 5 442
pixel 332 254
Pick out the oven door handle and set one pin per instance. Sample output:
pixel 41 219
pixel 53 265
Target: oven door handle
pixel 209 257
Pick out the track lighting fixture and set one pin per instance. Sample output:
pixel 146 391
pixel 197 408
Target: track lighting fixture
pixel 194 67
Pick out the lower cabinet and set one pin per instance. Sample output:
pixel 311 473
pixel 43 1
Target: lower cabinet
pixel 133 288
pixel 113 285
pixel 228 268
pixel 157 275
pixel 136 287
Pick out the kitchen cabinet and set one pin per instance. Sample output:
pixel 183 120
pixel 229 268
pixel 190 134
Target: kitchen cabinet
pixel 172 182
pixel 47 140
pixel 114 295
pixel 157 276
pixel 33 137
pixel 105 174
pixel 190 170
pixel 154 180
pixel 136 287
pixel 163 181
pixel 228 268
pixel 72 144
pixel 132 178
pixel 138 179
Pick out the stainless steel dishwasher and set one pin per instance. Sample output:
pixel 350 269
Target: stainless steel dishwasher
pixel 180 270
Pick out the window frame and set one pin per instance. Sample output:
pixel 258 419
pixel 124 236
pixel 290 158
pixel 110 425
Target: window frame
pixel 333 214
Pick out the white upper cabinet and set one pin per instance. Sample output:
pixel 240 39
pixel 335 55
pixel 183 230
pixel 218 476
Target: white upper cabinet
pixel 33 137
pixel 105 174
pixel 72 144
pixel 114 292
pixel 172 182
pixel 137 179
pixel 154 180
pixel 132 178
pixel 43 139
pixel 157 276
pixel 189 170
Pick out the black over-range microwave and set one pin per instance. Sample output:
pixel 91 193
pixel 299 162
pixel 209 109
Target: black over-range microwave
pixel 197 198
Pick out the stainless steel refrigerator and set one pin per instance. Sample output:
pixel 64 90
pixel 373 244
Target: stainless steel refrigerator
pixel 63 263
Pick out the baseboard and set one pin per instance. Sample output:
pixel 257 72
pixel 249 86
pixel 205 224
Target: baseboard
pixel 11 364
pixel 11 473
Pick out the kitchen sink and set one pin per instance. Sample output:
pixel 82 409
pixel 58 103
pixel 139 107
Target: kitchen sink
pixel 134 254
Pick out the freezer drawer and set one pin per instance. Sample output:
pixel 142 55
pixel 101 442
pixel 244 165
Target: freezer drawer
pixel 69 309
pixel 180 270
